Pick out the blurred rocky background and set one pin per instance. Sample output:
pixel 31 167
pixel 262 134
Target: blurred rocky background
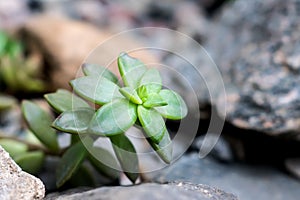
pixel 255 45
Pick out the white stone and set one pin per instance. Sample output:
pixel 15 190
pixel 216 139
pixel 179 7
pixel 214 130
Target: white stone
pixel 17 184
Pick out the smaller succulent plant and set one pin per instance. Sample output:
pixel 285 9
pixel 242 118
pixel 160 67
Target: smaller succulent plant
pixel 15 69
pixel 6 101
pixel 140 101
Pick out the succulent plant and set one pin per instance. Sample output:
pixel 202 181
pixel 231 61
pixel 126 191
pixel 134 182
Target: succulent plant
pixel 104 108
pixel 18 73
pixel 6 101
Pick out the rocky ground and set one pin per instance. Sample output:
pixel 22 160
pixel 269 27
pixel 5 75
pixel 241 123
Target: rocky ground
pixel 255 47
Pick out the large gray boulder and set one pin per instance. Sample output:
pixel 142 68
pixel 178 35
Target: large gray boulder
pixel 256 47
pixel 246 182
pixel 148 191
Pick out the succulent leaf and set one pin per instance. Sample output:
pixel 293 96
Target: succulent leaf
pixel 152 123
pixel 126 155
pixel 154 100
pixel 63 100
pixel 39 122
pixel 30 162
pixel 74 121
pixel 13 147
pixel 163 148
pixel 151 80
pixel 131 95
pixel 95 89
pixel 113 118
pixel 70 163
pixel 131 70
pixel 99 71
pixel 176 108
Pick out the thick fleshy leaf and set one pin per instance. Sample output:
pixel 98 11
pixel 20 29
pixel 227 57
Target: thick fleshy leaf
pixel 104 162
pixel 126 155
pixel 13 147
pixel 82 177
pixel 31 138
pixel 63 100
pixel 176 108
pixel 30 162
pixel 13 48
pixel 70 163
pixel 131 70
pixel 99 71
pixel 163 148
pixel 39 122
pixel 74 121
pixel 152 123
pixel 8 73
pixel 113 118
pixel 131 95
pixel 96 90
pixel 3 43
pixel 6 101
pixel 75 139
pixel 151 81
pixel 154 100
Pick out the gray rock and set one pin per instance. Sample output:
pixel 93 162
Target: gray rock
pixel 293 166
pixel 11 121
pixel 247 182
pixel 151 191
pixel 221 151
pixel 255 44
pixel 13 13
pixel 207 191
pixel 16 184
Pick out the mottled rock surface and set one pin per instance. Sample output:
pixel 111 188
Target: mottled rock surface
pixel 246 182
pixel 16 184
pixel 256 46
pixel 149 191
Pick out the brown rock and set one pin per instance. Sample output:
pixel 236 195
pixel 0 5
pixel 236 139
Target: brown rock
pixel 65 44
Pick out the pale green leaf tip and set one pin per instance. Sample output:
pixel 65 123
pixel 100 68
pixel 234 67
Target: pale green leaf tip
pixel 84 65
pixel 72 84
pixel 150 104
pixel 132 177
pixel 121 57
pixel 123 54
pixel 167 160
pixel 134 97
